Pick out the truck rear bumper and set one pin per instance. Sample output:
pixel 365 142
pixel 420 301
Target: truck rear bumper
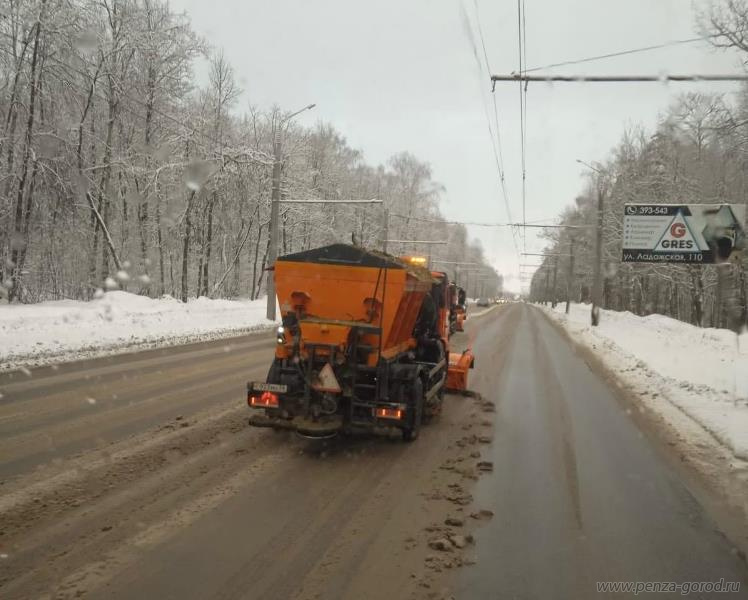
pixel 319 428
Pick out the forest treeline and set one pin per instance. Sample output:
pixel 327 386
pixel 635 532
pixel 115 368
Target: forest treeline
pixel 118 169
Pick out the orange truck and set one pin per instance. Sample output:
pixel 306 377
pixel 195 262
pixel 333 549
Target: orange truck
pixel 363 345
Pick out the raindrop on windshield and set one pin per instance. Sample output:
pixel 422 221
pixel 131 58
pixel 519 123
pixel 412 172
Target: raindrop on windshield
pixel 49 145
pixel 16 241
pixel 86 40
pixel 110 284
pixel 161 153
pixel 197 173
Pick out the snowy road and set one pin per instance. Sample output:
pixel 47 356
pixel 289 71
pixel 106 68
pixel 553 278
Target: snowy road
pixel 582 494
pixel 136 477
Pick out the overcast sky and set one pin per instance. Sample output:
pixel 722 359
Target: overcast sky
pixel 396 75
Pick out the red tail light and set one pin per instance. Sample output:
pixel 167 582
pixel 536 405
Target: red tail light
pixel 266 400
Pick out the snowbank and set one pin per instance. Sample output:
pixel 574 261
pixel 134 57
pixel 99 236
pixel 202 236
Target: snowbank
pixel 69 330
pixel 704 372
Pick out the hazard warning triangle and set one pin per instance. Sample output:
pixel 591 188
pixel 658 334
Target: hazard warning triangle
pixel 677 237
pixel 326 380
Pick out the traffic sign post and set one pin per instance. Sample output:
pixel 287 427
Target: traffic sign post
pixel 683 233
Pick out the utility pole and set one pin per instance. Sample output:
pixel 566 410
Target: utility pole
pixel 274 210
pixel 597 292
pixel 597 284
pixel 386 228
pixel 555 275
pixel 570 278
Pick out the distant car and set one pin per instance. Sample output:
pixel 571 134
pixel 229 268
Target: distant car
pixel 483 302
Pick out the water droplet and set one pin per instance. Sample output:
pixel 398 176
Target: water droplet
pixel 16 241
pixel 91 401
pixel 127 264
pixel 110 284
pixel 197 173
pixel 49 145
pixel 25 371
pixel 86 41
pixel 81 183
pixel 144 279
pixel 161 153
pixel 122 276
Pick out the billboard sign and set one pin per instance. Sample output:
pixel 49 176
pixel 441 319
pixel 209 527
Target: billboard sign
pixel 683 233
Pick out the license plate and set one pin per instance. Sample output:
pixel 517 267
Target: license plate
pixel 276 388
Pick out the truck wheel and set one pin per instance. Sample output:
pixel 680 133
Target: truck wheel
pixel 411 432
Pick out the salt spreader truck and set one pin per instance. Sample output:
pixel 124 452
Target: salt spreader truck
pixel 363 345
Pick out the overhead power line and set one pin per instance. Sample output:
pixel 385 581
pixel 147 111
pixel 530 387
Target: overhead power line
pixel 621 53
pixel 486 223
pixel 495 140
pixel 664 78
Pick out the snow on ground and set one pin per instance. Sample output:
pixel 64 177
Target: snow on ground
pixel 704 372
pixel 33 334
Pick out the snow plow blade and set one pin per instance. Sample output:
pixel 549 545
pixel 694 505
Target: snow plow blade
pixel 459 366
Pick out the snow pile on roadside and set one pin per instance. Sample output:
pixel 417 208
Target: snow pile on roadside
pixel 69 329
pixel 704 372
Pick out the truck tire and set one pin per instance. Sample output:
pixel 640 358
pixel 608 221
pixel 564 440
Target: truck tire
pixel 410 433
